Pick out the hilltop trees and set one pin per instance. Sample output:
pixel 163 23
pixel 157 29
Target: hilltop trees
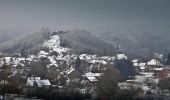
pixel 28 43
pixel 168 59
pixel 86 42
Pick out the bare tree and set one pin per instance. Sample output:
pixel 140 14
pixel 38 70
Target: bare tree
pixel 107 86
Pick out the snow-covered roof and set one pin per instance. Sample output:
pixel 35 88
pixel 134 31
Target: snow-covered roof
pixel 43 53
pixel 7 59
pixel 135 64
pixel 92 79
pixel 22 58
pixel 34 78
pixel 158 69
pixel 142 68
pixel 61 49
pixel 90 74
pixel 121 56
pixel 52 60
pixel 70 70
pixel 154 62
pixel 85 56
pixel 40 83
pixel 4 82
pixel 44 82
pixel 98 61
pixel 147 74
pixel 142 64
pixel 135 60
pixel 111 58
pixel 30 57
pixel 105 57
pixel 52 65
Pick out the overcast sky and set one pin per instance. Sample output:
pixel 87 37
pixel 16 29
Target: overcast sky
pixel 95 15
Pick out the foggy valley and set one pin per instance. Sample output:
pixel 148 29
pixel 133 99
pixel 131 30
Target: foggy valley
pixel 84 50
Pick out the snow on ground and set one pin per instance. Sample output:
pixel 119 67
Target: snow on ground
pixel 54 45
pixel 53 42
pixel 64 53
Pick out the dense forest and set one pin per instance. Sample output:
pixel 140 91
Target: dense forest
pixel 29 43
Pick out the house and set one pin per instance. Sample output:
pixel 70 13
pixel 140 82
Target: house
pixel 37 82
pixel 154 63
pixel 43 54
pixel 92 77
pixel 142 66
pixel 135 62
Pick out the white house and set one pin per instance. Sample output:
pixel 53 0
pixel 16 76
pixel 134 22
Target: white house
pixel 31 81
pixel 154 63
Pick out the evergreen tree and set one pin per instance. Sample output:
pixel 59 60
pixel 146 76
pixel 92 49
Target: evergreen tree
pixel 78 63
pixel 23 53
pixel 125 67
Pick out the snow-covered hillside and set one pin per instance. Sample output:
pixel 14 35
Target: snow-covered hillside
pixel 67 53
pixel 59 58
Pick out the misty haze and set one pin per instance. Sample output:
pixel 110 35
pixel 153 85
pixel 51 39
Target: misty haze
pixel 84 50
